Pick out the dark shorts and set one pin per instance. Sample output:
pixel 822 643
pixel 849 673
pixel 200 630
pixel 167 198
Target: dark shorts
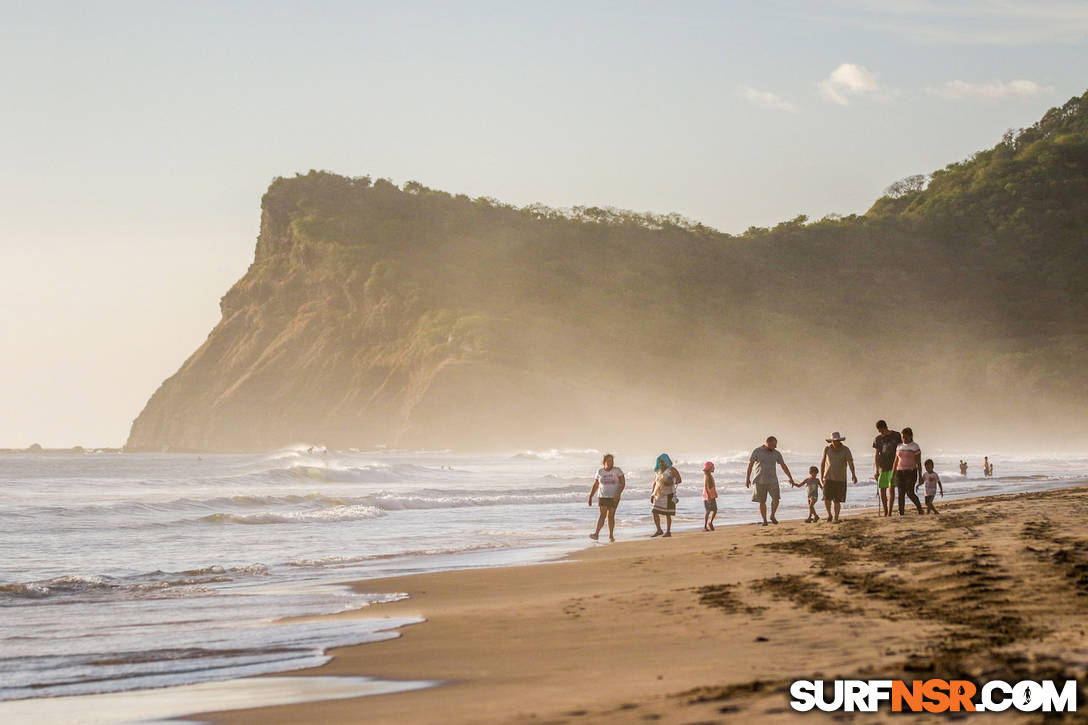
pixel 766 489
pixel 929 499
pixel 711 504
pixel 608 503
pixel 906 477
pixel 835 491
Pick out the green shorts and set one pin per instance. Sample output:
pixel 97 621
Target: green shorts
pixel 885 479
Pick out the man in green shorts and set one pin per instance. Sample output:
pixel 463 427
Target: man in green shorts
pixel 883 462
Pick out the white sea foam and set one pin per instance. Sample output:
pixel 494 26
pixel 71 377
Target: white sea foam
pixel 319 516
pixel 553 454
pixel 139 586
pixel 343 561
pixel 177 660
pixel 155 705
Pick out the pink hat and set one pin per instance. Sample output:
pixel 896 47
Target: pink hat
pixel 708 467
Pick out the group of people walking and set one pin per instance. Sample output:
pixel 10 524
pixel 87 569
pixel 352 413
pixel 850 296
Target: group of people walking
pixel 610 482
pixel 897 461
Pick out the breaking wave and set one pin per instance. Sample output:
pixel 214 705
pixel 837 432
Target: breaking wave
pixel 555 453
pixel 328 509
pixel 309 508
pixel 319 516
pixel 152 585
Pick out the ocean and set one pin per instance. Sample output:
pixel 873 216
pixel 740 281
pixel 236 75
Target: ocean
pixel 130 571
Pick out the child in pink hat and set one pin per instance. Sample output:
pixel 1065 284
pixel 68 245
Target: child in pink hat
pixel 710 497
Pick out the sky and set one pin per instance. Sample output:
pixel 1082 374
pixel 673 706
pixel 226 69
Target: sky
pixel 136 138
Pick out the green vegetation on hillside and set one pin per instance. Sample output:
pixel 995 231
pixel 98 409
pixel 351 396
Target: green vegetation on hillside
pixel 369 306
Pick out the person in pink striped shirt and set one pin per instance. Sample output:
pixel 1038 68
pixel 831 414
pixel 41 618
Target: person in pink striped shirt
pixel 908 462
pixel 932 481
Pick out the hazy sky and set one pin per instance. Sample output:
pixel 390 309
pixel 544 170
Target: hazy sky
pixel 136 138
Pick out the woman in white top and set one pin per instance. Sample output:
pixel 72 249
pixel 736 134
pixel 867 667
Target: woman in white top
pixel 908 463
pixel 610 482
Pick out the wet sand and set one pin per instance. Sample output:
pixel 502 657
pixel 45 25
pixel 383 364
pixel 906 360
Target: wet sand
pixel 712 627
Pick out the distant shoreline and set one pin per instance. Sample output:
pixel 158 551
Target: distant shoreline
pixel 378 449
pixel 73 451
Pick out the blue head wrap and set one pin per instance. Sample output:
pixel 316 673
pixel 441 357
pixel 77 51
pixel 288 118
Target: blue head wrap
pixel 663 462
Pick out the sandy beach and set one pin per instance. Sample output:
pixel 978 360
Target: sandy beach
pixel 711 627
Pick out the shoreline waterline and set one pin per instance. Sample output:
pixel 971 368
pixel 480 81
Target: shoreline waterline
pixel 516 634
pixel 226 556
pixel 251 692
pixel 172 703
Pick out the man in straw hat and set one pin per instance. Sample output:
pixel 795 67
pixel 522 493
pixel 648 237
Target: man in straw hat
pixel 833 470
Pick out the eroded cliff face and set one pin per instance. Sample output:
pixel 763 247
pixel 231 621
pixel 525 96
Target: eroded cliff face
pixel 311 347
pixel 366 319
pixel 378 315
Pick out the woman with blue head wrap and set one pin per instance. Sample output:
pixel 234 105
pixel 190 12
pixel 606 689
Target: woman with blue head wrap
pixel 663 495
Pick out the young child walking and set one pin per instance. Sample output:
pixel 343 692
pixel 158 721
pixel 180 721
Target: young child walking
pixel 932 481
pixel 812 483
pixel 710 497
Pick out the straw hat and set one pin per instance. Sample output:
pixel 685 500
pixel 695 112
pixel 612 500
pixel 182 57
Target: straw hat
pixel 836 437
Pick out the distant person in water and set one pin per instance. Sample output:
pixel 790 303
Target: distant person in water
pixel 610 484
pixel 833 469
pixel 963 467
pixel 812 483
pixel 885 444
pixel 908 464
pixel 710 497
pixel 987 467
pixel 932 481
pixel 765 459
pixel 663 495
